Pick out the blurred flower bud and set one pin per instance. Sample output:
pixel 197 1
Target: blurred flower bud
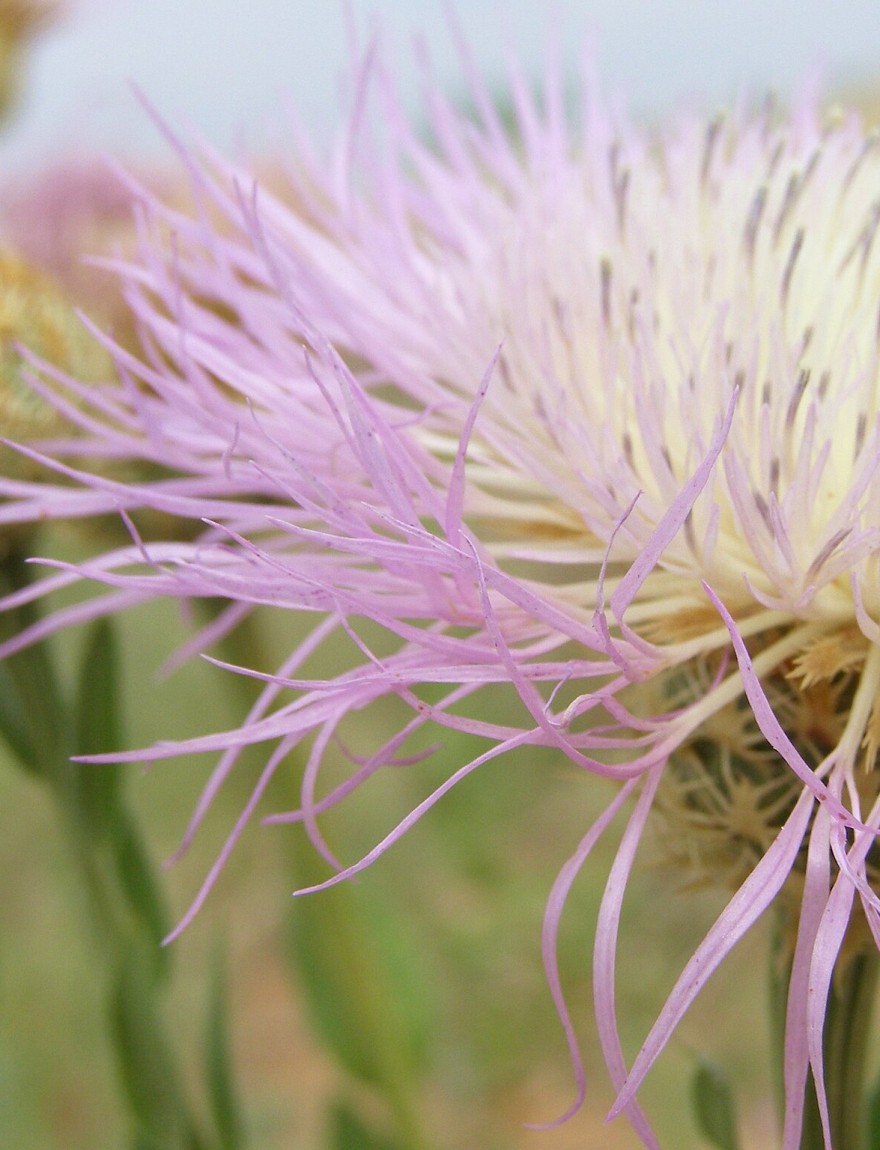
pixel 19 21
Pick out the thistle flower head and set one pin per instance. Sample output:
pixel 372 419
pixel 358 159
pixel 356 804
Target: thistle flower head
pixel 578 412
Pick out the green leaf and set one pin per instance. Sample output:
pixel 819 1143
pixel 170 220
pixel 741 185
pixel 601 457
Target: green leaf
pixel 874 1115
pixel 143 1142
pixel 714 1106
pixel 98 727
pixel 33 720
pixel 222 1095
pixel 359 969
pixel 101 803
pixel 360 975
pixel 346 1131
pixel 32 716
pixel 148 1073
pixel 140 883
pixel 13 724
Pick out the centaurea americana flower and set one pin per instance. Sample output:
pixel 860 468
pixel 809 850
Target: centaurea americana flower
pixel 576 411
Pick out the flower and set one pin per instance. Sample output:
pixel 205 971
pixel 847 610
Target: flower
pixel 58 216
pixel 577 411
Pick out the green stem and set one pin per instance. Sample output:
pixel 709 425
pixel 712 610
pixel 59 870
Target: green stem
pixel 780 970
pixel 846 1047
pixel 42 730
pixel 847 1034
pixel 35 720
pixel 336 950
pixel 350 992
pixel 37 725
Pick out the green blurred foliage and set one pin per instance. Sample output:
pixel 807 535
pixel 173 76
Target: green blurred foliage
pixel 714 1105
pixel 446 928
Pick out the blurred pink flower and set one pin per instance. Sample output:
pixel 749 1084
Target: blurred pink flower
pixel 62 216
pixel 574 411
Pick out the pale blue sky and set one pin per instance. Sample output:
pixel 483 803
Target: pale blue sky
pixel 223 65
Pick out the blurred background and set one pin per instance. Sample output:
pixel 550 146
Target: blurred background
pixel 459 904
pixel 225 66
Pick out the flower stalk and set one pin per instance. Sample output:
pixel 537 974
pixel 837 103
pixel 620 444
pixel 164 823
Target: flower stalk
pixel 847 1043
pixel 127 917
pixel 848 1035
